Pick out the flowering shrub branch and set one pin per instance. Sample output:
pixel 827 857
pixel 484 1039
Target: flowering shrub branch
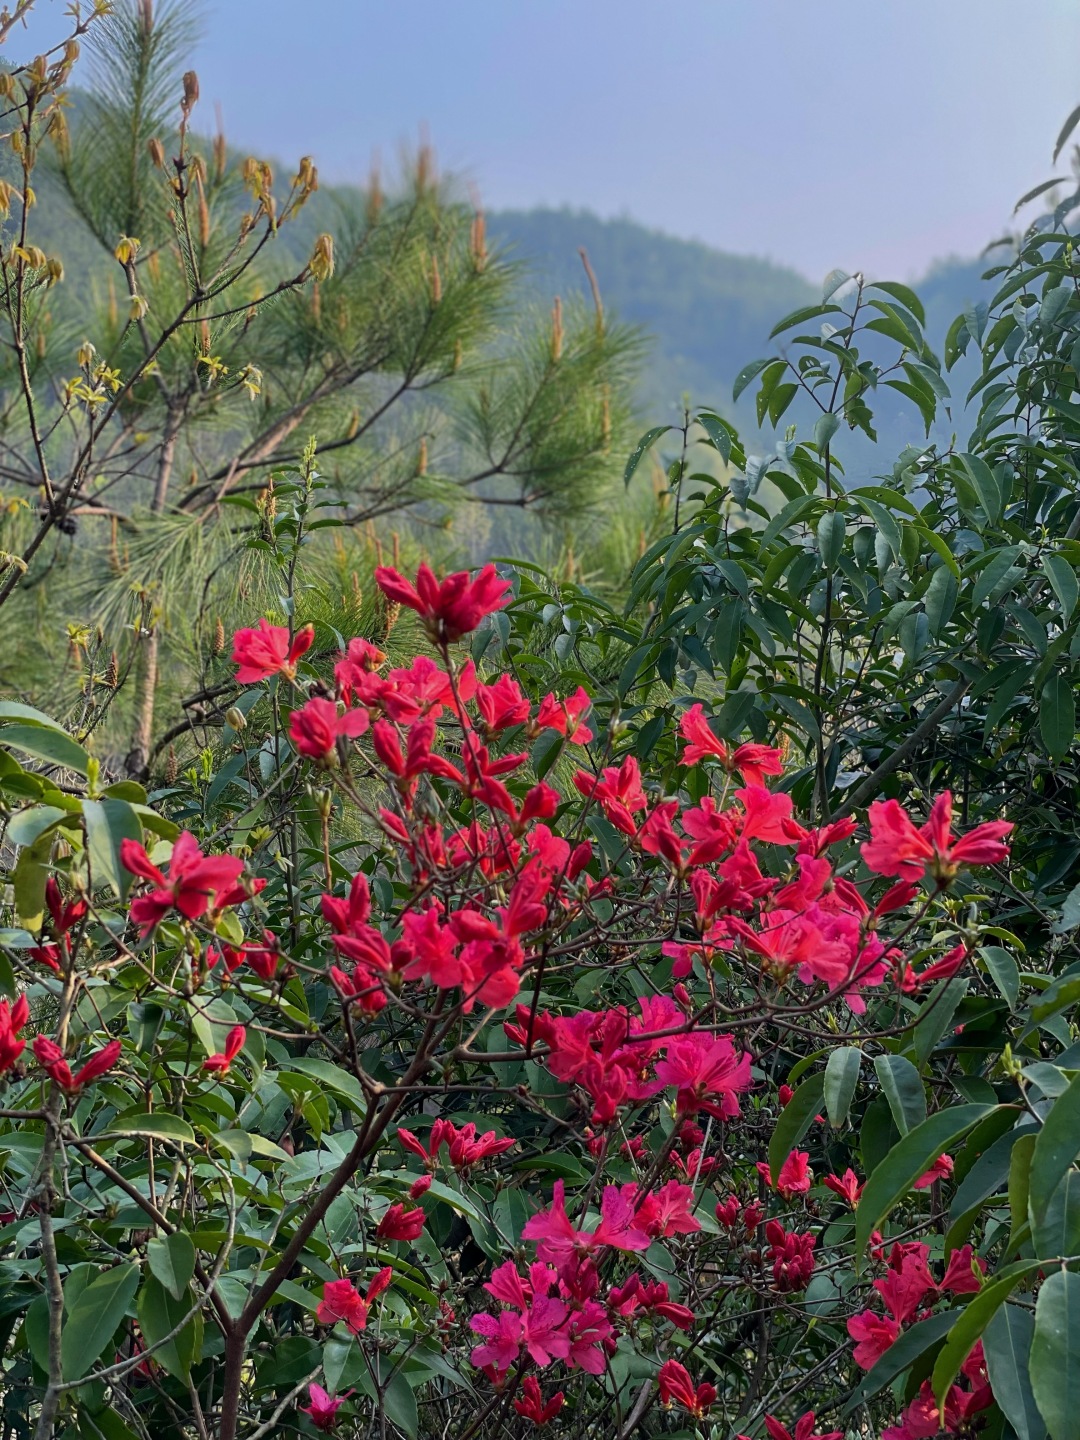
pixel 517 1091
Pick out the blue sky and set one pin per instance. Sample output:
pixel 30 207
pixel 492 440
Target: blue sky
pixel 870 134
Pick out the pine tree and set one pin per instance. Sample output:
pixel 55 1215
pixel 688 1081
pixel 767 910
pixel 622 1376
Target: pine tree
pixel 237 315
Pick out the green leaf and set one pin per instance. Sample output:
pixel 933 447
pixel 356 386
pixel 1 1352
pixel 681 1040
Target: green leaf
pixel 841 1077
pixel 1070 913
pixel 1063 582
pixel 172 1259
pixel 718 433
pixel 825 427
pixel 936 1015
pixel 986 486
pixel 52 746
pixel 30 824
pixel 1007 1347
pixel 93 1319
pixel 14 710
pixel 1057 717
pixel 972 1321
pixel 1004 972
pixel 1055 1356
pixel 939 599
pixel 340 1083
pixel 645 443
pixel 900 1355
pixel 1059 1232
pixel 906 1161
pixel 830 537
pixel 1066 130
pixel 1056 1147
pixel 158 1126
pixel 747 373
pixel 159 1315
pixel 903 1089
pixel 795 1119
pixel 904 294
pixel 400 1405
pixel 108 822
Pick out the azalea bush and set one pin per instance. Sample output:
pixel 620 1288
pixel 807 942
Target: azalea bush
pixel 440 1070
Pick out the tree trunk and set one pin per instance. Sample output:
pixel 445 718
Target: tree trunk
pixel 146 668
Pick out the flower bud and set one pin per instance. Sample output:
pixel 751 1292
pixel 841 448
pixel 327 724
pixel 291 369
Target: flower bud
pixel 235 718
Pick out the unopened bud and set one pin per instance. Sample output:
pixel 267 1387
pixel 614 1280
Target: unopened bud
pixel 235 718
pixel 556 329
pixel 191 91
pixel 157 152
pixel 419 1187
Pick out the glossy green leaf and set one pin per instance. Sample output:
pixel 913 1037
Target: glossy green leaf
pixel 641 448
pixel 1063 582
pixel 160 1313
pixel 1056 1147
pixel 794 1120
pixel 172 1259
pixel 913 1342
pixel 1055 1355
pixel 906 1162
pixel 1057 716
pixel 903 1089
pixel 1007 1347
pixel 1003 971
pixel 841 1077
pixel 108 824
pixel 160 1125
pixel 94 1318
pixel 972 1321
pixel 53 746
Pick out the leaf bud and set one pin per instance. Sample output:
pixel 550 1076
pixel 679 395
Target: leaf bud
pixel 321 263
pixel 191 91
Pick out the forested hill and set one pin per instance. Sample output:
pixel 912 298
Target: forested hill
pixel 706 312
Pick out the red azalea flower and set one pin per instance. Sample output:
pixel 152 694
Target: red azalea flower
pixel 795 1175
pixel 848 1186
pixel 708 1072
pixel 531 1405
pixel 322 1407
pixel 941 1169
pixel 234 1043
pixel 753 762
pixel 964 1273
pixel 804 1429
pixel 676 1387
pixel 874 1334
pixel 566 716
pixel 267 650
pixel 51 1057
pixel 316 728
pixel 451 608
pixel 897 847
pixel 400 1224
pixel 193 885
pixel 12 1020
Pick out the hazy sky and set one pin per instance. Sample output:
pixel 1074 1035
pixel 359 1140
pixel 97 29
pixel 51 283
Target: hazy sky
pixel 871 134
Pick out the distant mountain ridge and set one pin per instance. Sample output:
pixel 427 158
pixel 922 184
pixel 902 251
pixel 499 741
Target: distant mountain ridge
pixel 706 311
